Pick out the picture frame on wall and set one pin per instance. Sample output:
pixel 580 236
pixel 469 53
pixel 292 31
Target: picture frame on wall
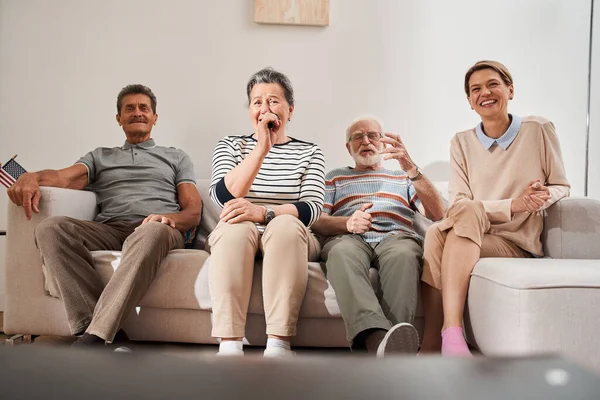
pixel 292 12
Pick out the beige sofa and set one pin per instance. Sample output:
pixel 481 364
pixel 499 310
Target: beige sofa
pixel 520 306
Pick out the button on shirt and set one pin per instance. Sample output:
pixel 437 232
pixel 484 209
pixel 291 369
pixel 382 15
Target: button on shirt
pixel 503 141
pixel 136 180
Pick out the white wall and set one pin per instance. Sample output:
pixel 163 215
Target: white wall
pixel 62 63
pixel 594 145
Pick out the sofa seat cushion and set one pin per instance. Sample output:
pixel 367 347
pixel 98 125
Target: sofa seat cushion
pixel 178 282
pixel 532 306
pixel 182 283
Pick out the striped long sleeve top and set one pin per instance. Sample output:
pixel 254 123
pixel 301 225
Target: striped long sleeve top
pixel 394 199
pixel 291 173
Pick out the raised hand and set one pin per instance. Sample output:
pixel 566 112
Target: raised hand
pixel 395 149
pixel 266 136
pixel 360 221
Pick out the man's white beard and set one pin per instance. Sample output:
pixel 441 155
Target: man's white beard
pixel 367 161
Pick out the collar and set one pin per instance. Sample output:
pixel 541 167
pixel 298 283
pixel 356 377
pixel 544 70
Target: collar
pixel 503 141
pixel 148 144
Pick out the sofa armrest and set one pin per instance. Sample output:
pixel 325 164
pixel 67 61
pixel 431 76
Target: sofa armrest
pixel 23 272
pixel 572 229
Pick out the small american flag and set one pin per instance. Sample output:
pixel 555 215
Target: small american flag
pixel 10 172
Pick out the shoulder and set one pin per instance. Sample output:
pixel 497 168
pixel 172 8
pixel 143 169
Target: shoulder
pixel 537 128
pixel 536 123
pixel 236 140
pixel 465 135
pixel 170 150
pixel 104 152
pixel 302 145
pixel 337 172
pixel 535 120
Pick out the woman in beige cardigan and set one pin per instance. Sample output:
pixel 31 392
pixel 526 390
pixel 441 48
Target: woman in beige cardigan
pixel 504 172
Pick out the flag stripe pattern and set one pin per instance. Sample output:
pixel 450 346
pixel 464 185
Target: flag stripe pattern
pixel 10 172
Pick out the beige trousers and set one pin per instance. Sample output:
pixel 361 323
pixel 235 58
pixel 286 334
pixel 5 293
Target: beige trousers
pixel 469 220
pixel 65 245
pixel 286 245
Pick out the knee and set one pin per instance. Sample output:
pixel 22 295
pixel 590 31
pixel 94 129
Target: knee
pixel 233 235
pixel 466 210
pixel 408 261
pixel 342 251
pixel 150 234
pixel 50 228
pixel 285 230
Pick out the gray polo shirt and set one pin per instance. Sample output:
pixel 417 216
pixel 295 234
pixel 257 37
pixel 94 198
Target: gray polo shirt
pixel 136 180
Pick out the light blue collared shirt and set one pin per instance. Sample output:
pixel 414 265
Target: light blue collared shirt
pixel 503 141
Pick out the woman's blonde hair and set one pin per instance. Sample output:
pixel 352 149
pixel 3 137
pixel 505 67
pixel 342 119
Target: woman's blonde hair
pixel 487 64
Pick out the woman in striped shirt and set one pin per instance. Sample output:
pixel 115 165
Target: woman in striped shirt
pixel 271 188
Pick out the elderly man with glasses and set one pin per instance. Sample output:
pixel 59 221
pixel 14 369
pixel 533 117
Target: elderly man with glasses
pixel 367 221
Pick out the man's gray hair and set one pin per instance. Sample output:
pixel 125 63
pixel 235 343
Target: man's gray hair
pixel 269 75
pixel 136 89
pixel 366 117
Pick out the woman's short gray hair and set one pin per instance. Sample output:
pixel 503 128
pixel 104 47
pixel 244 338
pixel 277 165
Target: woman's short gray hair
pixel 363 118
pixel 269 75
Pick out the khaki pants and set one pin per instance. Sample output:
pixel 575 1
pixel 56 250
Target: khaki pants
pixel 286 245
pixel 65 245
pixel 398 258
pixel 468 220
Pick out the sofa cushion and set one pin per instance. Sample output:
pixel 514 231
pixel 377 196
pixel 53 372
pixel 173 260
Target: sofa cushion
pixel 178 282
pixel 182 283
pixel 533 306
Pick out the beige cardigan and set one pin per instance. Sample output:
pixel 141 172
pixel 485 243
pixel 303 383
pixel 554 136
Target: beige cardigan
pixel 496 176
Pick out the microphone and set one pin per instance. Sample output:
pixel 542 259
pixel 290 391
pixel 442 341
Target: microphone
pixel 271 124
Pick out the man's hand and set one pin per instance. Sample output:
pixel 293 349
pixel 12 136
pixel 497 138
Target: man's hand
pixel 26 193
pixel 396 150
pixel 360 221
pixel 531 199
pixel 158 218
pixel 239 210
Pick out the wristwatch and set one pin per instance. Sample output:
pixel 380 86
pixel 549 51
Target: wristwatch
pixel 416 177
pixel 269 214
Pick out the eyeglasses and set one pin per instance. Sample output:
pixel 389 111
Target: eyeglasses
pixel 372 136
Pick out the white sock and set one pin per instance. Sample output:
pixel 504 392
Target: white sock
pixel 282 344
pixel 231 346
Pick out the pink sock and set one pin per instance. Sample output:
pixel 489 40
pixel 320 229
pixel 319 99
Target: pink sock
pixel 453 342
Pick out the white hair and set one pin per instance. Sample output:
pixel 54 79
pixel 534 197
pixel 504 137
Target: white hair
pixel 366 117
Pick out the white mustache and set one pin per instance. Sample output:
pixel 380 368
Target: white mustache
pixel 370 147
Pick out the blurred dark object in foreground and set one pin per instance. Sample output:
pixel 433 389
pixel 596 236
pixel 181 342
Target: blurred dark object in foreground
pixel 63 373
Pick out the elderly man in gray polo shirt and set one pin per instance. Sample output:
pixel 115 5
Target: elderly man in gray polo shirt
pixel 147 199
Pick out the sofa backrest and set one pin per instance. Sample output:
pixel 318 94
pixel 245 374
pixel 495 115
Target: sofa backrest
pixel 211 212
pixel 572 229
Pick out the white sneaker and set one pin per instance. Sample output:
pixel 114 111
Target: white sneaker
pixel 123 349
pixel 402 338
pixel 278 352
pixel 231 353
